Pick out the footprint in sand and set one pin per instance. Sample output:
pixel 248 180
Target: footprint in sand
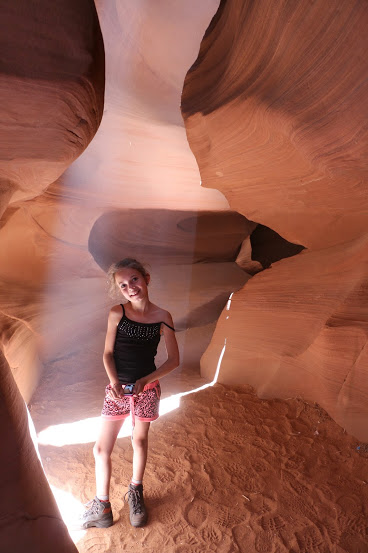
pixel 196 513
pixel 264 542
pixel 357 525
pixel 325 491
pixel 236 439
pixel 295 484
pixel 211 534
pixel 178 463
pixel 204 483
pixel 95 542
pixel 187 542
pixel 239 470
pixel 226 519
pixel 208 452
pixel 167 515
pixel 310 540
pixel 261 465
pixel 299 504
pixel 244 538
pixel 293 463
pixel 253 485
pixel 349 503
pixel 332 530
pixel 272 524
pixel 165 475
pixel 263 447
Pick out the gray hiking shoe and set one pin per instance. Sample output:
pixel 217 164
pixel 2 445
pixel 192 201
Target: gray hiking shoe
pixel 99 514
pixel 137 509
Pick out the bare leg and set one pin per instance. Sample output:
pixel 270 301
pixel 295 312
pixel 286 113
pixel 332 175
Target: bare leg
pixel 102 450
pixel 140 448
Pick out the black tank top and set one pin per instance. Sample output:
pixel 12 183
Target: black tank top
pixel 135 348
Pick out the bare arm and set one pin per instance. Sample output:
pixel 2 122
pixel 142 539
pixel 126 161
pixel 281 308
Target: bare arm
pixel 171 362
pixel 108 355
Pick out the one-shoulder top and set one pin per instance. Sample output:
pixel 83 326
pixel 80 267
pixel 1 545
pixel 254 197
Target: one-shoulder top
pixel 135 348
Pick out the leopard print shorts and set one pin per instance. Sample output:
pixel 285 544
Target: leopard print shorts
pixel 146 405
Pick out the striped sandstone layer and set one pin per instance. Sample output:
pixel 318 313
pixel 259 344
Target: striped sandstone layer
pixel 275 108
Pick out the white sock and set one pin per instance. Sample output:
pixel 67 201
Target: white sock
pixel 102 497
pixel 136 482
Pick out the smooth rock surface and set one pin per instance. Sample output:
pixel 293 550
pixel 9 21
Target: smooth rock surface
pixel 276 114
pixel 51 95
pixel 51 91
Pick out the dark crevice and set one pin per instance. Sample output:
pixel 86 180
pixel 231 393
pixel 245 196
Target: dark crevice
pixel 269 247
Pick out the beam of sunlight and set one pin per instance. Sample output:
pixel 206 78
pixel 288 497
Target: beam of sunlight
pixel 33 434
pixel 78 432
pixel 86 430
pixel 70 509
pixel 229 301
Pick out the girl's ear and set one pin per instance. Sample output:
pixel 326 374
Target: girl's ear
pixel 148 278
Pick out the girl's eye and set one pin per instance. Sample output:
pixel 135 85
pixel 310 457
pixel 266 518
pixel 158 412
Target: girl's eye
pixel 134 279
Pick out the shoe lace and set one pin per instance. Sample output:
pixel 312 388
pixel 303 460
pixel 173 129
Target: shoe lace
pixel 93 508
pixel 134 498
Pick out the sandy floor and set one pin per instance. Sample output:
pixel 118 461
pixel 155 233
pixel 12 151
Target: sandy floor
pixel 227 472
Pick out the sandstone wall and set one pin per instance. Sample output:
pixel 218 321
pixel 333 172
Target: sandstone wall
pixel 51 93
pixel 276 115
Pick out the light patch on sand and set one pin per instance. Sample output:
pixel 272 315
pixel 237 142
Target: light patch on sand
pixel 70 509
pixel 86 430
pixel 78 432
pixel 33 434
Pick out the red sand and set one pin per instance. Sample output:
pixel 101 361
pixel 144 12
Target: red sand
pixel 227 472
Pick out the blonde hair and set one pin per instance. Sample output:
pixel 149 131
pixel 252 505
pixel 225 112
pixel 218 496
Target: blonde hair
pixel 126 263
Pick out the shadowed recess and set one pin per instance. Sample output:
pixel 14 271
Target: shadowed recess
pixel 192 256
pixel 168 237
pixel 269 247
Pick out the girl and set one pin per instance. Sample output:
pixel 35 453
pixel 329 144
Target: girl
pixel 132 337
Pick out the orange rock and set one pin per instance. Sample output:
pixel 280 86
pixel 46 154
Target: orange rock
pixel 275 110
pixel 51 92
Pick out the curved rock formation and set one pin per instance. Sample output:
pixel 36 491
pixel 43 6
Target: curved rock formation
pixel 275 109
pixel 29 517
pixel 51 92
pixel 274 113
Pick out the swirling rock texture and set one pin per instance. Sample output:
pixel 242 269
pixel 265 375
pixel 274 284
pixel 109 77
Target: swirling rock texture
pixel 53 230
pixel 136 191
pixel 51 91
pixel 51 87
pixel 276 114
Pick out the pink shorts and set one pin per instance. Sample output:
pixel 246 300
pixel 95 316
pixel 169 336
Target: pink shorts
pixel 146 405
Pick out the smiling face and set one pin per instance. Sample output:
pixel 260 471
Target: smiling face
pixel 132 284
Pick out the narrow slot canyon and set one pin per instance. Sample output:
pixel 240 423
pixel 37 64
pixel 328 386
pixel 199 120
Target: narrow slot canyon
pixel 223 144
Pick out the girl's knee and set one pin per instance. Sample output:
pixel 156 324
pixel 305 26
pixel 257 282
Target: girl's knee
pixel 140 441
pixel 99 451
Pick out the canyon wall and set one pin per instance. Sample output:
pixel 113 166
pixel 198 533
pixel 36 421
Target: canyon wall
pixel 276 114
pixel 51 91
